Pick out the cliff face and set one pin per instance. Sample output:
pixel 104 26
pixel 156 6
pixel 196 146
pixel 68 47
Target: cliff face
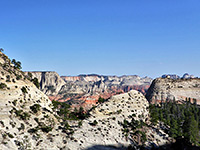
pixel 87 88
pixel 103 128
pixel 50 82
pixel 25 113
pixel 28 121
pixel 163 89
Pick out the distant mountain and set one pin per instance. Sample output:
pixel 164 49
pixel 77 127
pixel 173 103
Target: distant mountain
pixel 86 89
pixel 174 76
pixel 187 76
pixel 181 89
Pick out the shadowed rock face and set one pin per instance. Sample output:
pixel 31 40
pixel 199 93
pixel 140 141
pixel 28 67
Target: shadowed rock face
pixel 50 82
pixel 88 88
pixel 163 89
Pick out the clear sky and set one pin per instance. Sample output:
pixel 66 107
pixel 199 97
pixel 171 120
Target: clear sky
pixel 109 37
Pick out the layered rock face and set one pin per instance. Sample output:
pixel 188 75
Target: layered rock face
pixel 25 113
pixel 163 89
pixel 50 82
pixel 103 129
pixel 87 88
pixel 28 122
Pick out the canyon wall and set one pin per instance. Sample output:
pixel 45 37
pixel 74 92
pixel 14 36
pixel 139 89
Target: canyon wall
pixel 165 89
pixel 87 88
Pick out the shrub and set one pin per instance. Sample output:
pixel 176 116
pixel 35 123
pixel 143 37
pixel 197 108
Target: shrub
pixel 8 78
pixel 17 64
pixel 22 115
pixel 30 75
pixel 46 128
pixel 24 90
pixel 35 108
pixel 33 130
pixel 94 123
pixel 14 102
pixel 101 100
pixel 119 111
pixel 3 85
pixel 35 81
pixel 13 80
pixel 18 77
pixel 10 135
pixel 22 127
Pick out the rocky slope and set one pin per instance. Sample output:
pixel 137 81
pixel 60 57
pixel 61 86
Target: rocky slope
pixel 26 117
pixel 85 90
pixel 163 89
pixel 104 129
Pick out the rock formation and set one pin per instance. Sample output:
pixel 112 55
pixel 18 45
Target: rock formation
pixel 27 120
pixel 164 89
pixel 26 117
pixel 86 89
pixel 103 128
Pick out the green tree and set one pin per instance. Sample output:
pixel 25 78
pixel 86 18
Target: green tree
pixel 190 129
pixel 17 64
pixel 35 81
pixel 154 114
pixel 174 128
pixel 101 100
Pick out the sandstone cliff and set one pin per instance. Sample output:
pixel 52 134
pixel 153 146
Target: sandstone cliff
pixel 163 89
pixel 104 127
pixel 50 81
pixel 86 89
pixel 26 118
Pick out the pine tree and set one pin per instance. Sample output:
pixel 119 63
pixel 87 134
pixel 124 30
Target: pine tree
pixel 174 128
pixel 190 129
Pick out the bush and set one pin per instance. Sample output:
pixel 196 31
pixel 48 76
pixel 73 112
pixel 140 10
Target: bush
pixel 8 78
pixel 101 100
pixel 33 130
pixel 46 128
pixel 24 90
pixel 3 85
pixel 94 123
pixel 17 64
pixel 10 135
pixel 14 102
pixel 22 115
pixel 18 77
pixel 30 75
pixel 22 127
pixel 35 108
pixel 35 81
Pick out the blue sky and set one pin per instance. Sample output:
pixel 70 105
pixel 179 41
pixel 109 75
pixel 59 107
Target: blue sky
pixel 109 37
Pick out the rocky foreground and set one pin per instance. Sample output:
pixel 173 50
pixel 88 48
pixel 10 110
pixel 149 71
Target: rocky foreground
pixel 104 128
pixel 28 119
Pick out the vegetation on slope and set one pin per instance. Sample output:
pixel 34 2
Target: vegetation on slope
pixel 183 120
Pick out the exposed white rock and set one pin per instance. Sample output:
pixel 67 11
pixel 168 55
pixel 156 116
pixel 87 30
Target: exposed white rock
pixel 17 95
pixel 163 89
pixel 108 117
